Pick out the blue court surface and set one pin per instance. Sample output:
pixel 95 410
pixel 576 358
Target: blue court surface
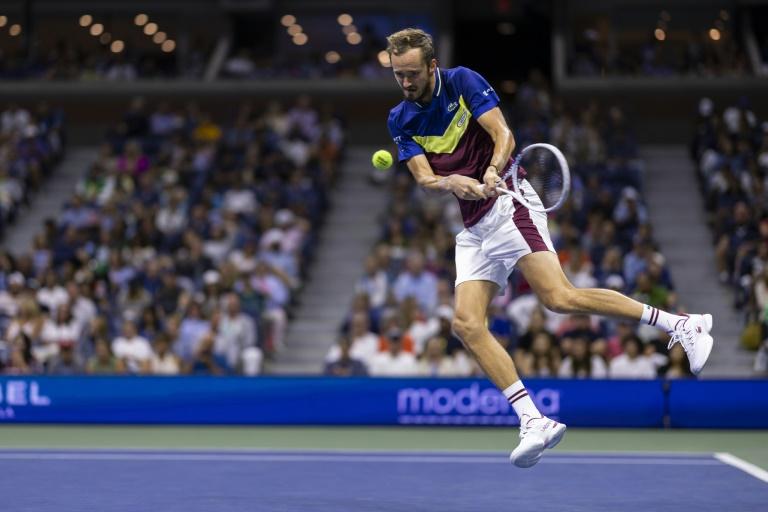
pixel 213 481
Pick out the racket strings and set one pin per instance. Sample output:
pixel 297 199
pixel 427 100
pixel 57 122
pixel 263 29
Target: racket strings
pixel 544 174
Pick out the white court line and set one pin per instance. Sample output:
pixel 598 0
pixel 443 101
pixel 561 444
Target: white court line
pixel 747 467
pixel 202 457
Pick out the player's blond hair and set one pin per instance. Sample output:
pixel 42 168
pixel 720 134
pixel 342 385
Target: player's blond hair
pixel 409 38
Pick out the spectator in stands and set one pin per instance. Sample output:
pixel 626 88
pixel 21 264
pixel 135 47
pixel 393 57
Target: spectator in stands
pixel 543 359
pixel 632 364
pixel 206 361
pixel 103 361
pixel 418 282
pixel 364 344
pixel 394 361
pixel 61 328
pixel 345 365
pixel 374 282
pixel 580 363
pixel 133 350
pixel 236 335
pixel 66 362
pixel 163 361
pixel 435 361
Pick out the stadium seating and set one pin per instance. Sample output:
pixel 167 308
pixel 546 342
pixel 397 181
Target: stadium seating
pixel 182 248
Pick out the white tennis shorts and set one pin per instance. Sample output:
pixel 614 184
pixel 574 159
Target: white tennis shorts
pixel 489 250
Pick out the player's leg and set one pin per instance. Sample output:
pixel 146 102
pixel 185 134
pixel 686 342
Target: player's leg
pixel 470 325
pixel 543 272
pixel 537 432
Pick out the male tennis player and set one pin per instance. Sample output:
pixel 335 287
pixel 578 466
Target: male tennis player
pixel 454 138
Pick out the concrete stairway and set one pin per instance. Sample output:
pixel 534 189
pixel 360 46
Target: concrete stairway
pixel 349 233
pixel 677 215
pixel 49 200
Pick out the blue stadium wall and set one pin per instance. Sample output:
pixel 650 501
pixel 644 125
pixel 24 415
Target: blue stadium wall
pixel 368 401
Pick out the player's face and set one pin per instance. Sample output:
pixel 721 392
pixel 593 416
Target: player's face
pixel 414 76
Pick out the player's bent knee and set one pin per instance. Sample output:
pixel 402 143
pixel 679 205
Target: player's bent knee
pixel 559 301
pixel 467 329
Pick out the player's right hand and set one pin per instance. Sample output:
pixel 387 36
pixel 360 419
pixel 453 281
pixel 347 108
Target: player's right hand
pixel 468 189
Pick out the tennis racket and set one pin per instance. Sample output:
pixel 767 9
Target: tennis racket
pixel 540 168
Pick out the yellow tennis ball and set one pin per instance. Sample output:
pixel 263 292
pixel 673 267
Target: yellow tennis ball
pixel 382 159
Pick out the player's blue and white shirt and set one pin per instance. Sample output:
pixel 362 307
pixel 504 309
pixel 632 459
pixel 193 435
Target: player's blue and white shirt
pixel 446 131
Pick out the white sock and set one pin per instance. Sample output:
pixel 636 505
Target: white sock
pixel 520 400
pixel 661 319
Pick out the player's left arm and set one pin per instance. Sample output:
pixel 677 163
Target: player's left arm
pixel 493 122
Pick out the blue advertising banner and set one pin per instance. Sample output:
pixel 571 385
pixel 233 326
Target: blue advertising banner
pixel 320 401
pixel 719 404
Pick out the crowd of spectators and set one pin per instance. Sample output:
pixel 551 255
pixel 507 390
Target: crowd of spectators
pixel 31 144
pixel 400 320
pixel 694 55
pixel 730 149
pixel 67 61
pixel 244 65
pixel 182 249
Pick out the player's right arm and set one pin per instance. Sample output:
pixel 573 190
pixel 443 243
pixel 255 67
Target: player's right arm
pixel 462 186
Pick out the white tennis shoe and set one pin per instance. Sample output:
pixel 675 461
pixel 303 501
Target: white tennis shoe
pixel 536 434
pixel 693 334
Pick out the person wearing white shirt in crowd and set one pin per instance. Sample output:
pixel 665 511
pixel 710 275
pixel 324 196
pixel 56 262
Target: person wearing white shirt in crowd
pixel 373 282
pixel 10 298
pixel 163 361
pixel 580 364
pixel 245 259
pixel 134 350
pixel 83 308
pixel 364 343
pixel 172 218
pixel 632 364
pixel 60 328
pixel 417 282
pixel 236 337
pixel 395 362
pixel 435 362
pixel 51 294
pixel 14 119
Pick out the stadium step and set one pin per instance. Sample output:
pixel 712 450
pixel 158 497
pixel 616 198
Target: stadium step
pixel 672 193
pixel 50 199
pixel 351 229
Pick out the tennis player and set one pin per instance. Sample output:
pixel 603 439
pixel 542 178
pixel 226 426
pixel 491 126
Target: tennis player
pixel 453 136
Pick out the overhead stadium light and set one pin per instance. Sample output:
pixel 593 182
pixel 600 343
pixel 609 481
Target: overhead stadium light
pixel 383 57
pixel 344 19
pixel 117 46
pixel 3 20
pixel 332 57
pixel 354 38
pixel 159 37
pixel 150 28
pixel 86 20
pixel 105 38
pixel 288 20
pixel 15 30
pixel 141 19
pixel 168 45
pixel 659 34
pixel 97 29
pixel 714 34
pixel 300 39
pixel 348 29
pixel 294 29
